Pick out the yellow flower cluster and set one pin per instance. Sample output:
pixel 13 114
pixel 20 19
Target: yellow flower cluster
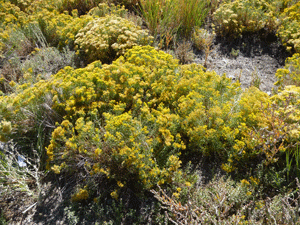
pixel 68 32
pixel 11 15
pixel 69 5
pixel 50 23
pixel 33 6
pixel 11 18
pixel 104 9
pixel 289 31
pixel 236 17
pixel 82 194
pixel 290 74
pixel 107 37
pixel 288 101
pixel 5 130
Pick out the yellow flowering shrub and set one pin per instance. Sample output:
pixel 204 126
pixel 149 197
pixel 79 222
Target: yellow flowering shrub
pixel 131 4
pixel 81 195
pixel 50 22
pixel 282 4
pixel 104 9
pixel 107 37
pixel 121 150
pixel 5 130
pixel 131 120
pixel 280 132
pixel 59 29
pixel 11 18
pixel 237 17
pixel 83 6
pixel 32 6
pixel 22 4
pixel 86 6
pixel 290 74
pixel 10 14
pixel 206 110
pixel 289 30
pixel 247 116
pixel 67 33
pixel 23 109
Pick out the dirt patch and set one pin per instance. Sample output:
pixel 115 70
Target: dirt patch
pixel 252 59
pixel 14 204
pixel 48 207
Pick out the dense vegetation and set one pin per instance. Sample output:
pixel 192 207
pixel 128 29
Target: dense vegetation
pixel 89 91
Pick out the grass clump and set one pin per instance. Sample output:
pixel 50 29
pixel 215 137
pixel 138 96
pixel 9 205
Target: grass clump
pixel 170 18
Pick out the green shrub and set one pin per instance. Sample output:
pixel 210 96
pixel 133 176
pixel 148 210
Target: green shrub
pixel 108 37
pixel 27 58
pixel 14 177
pixel 184 52
pixel 203 40
pixel 2 219
pixel 15 46
pixel 44 62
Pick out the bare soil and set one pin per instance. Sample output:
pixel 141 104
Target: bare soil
pixel 251 58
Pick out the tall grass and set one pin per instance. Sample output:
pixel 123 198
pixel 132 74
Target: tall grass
pixel 170 18
pixel 192 14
